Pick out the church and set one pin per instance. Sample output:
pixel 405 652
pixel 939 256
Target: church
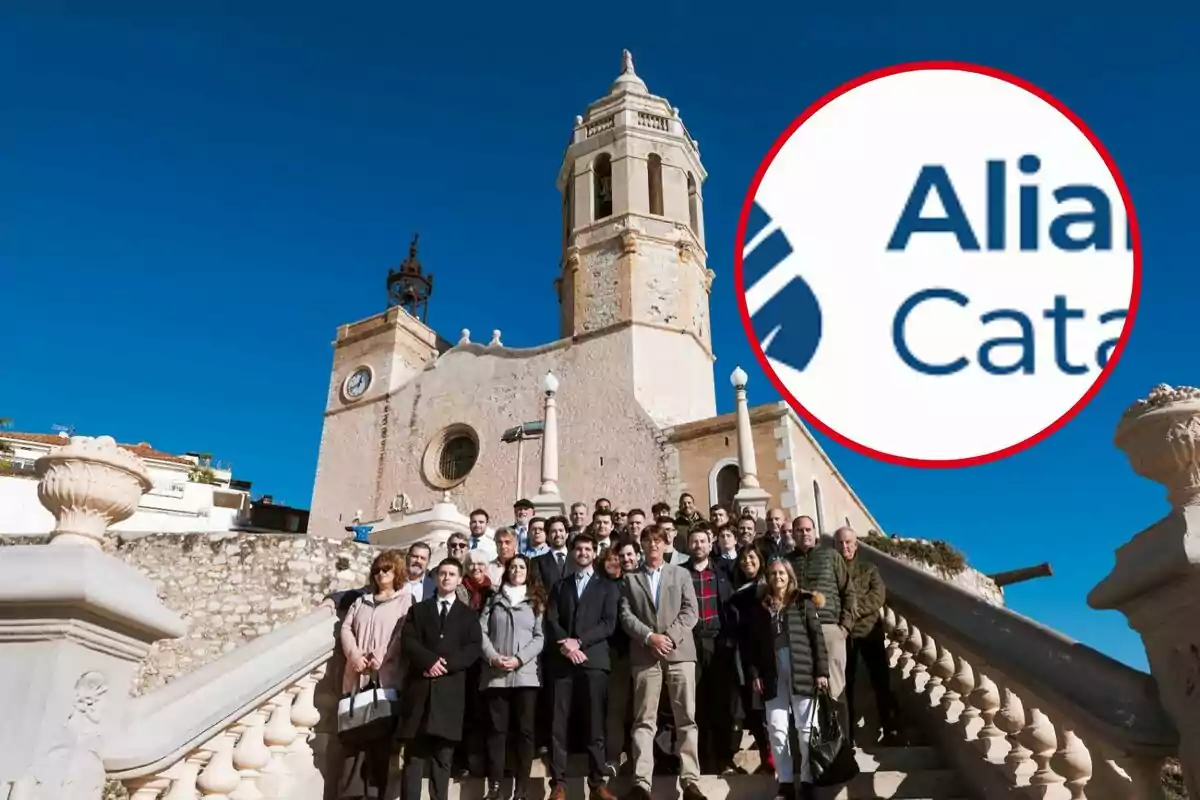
pixel 413 418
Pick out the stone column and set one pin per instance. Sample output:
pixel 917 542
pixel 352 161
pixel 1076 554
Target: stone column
pixel 1156 580
pixel 548 502
pixel 750 494
pixel 75 623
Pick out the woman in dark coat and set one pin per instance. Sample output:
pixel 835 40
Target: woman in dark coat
pixel 441 640
pixel 749 580
pixel 783 657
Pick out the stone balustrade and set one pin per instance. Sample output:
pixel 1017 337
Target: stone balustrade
pixel 1008 736
pixel 1016 707
pixel 265 754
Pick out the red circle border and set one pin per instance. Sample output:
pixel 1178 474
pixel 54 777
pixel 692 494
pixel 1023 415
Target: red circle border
pixel 740 243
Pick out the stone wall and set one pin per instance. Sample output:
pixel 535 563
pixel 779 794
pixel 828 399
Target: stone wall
pixel 231 588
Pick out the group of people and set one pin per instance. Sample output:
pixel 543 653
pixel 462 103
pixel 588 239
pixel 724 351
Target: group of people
pixel 634 638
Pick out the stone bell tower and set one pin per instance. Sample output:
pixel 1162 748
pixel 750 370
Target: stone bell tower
pixel 634 263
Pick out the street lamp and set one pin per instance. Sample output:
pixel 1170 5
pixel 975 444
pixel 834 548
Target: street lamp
pixel 520 434
pixel 739 378
pixel 549 383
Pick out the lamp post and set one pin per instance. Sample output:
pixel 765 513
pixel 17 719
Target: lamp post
pixel 521 434
pixel 750 494
pixel 548 500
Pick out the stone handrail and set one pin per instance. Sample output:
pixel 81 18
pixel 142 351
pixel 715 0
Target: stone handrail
pixel 1051 716
pixel 241 724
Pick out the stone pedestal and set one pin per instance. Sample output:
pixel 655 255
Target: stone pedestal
pixel 548 505
pixel 75 623
pixel 1156 580
pixel 756 499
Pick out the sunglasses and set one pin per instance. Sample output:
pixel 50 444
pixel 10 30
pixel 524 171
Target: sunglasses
pixel 458 545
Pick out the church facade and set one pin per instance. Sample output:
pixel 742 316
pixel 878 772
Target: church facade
pixel 411 413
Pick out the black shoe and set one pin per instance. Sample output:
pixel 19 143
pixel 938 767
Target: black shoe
pixel 493 791
pixel 785 792
pixel 808 792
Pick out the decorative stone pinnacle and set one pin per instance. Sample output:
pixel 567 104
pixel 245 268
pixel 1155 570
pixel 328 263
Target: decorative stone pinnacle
pixel 465 337
pixel 628 79
pixel 89 485
pixel 1161 437
pixel 495 342
pixel 1161 396
pixel 627 63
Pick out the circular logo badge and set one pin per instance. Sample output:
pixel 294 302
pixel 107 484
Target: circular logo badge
pixel 938 265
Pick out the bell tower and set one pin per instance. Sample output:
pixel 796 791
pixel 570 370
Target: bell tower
pixel 634 262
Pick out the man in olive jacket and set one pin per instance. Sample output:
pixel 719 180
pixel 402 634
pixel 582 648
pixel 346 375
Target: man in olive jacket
pixel 866 634
pixel 821 569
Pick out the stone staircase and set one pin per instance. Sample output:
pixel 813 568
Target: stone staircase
pixel 910 772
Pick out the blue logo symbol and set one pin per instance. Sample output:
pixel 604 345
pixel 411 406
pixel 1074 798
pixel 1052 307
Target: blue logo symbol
pixel 788 326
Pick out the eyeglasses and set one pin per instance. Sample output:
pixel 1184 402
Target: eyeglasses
pixel 458 545
pixel 380 570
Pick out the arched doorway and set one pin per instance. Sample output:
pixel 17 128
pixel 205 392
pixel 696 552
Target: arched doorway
pixel 729 478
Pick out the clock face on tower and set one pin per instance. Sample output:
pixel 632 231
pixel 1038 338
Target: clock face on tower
pixel 358 383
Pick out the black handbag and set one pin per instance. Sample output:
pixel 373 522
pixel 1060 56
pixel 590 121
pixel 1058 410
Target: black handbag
pixel 367 714
pixel 830 751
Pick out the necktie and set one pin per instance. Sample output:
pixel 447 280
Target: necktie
pixel 562 557
pixel 445 611
pixel 580 584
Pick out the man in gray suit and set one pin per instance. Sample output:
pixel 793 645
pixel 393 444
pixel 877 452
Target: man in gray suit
pixel 658 611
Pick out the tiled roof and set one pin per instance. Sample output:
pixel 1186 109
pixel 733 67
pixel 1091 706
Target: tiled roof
pixel 141 450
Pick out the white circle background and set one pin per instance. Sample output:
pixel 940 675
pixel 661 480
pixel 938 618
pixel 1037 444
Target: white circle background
pixel 837 188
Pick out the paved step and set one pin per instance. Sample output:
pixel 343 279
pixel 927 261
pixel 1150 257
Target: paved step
pixel 878 759
pixel 924 785
pixel 896 759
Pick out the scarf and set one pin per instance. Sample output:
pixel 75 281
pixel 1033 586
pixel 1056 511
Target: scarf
pixel 515 594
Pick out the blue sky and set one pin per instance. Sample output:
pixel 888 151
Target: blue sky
pixel 192 199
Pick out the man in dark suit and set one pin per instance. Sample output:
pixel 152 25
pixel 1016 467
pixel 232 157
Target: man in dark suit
pixel 440 640
pixel 553 566
pixel 581 615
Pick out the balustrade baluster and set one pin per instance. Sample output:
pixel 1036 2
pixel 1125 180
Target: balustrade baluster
pixel 990 739
pixel 219 778
pixel 943 671
pixel 279 734
pixel 898 633
pixel 1039 737
pixel 1073 762
pixel 250 756
pixel 305 716
pixel 963 683
pixel 143 788
pixel 912 646
pixel 184 786
pixel 927 657
pixel 1018 764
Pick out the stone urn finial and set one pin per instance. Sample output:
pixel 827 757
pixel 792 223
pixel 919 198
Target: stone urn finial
pixel 89 485
pixel 1161 437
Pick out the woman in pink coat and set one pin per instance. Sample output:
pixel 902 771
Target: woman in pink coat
pixel 370 638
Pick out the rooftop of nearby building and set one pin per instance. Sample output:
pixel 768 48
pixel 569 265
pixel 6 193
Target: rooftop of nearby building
pixel 141 449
